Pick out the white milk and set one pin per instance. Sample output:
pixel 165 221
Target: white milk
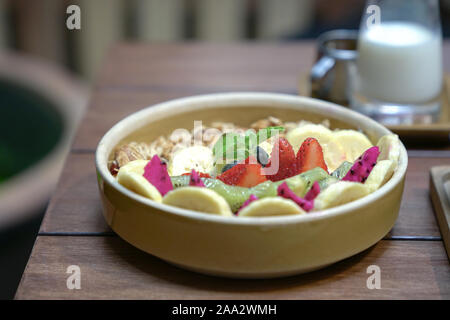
pixel 399 62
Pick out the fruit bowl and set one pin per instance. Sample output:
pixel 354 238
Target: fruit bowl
pixel 262 247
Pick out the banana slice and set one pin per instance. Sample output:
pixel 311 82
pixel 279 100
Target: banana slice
pixel 267 145
pixel 184 160
pixel 271 206
pixel 198 199
pixel 380 174
pixel 340 193
pixel 389 148
pixel 353 143
pixel 136 166
pixel 333 154
pixel 137 183
pixel 298 135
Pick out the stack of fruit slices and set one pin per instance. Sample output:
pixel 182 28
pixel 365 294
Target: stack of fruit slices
pixel 289 183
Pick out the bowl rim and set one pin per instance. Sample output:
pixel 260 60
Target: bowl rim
pixel 252 98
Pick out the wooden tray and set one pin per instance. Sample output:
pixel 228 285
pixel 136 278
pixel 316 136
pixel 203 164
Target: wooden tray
pixel 440 196
pixel 439 129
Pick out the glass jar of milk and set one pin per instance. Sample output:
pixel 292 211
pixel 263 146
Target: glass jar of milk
pixel 399 63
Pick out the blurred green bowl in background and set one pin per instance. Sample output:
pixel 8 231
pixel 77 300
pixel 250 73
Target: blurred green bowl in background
pixel 30 128
pixel 41 106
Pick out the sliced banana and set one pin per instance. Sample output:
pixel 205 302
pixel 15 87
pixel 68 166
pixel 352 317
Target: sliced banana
pixel 333 154
pixel 271 206
pixel 380 174
pixel 199 158
pixel 136 166
pixel 137 183
pixel 298 135
pixel 267 145
pixel 389 148
pixel 198 199
pixel 340 193
pixel 353 142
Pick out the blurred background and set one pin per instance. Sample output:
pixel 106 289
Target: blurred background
pixel 46 72
pixel 36 27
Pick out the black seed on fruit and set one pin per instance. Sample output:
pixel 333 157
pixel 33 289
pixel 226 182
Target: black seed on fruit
pixel 373 164
pixel 262 156
pixel 228 166
pixel 368 171
pixel 363 179
pixel 352 171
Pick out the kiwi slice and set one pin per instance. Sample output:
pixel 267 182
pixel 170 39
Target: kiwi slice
pixel 236 196
pixel 342 170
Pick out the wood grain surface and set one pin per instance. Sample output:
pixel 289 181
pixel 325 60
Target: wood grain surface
pixel 412 258
pixel 111 269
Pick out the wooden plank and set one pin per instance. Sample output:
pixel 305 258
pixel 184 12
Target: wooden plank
pixel 110 106
pixel 209 66
pixel 245 66
pixel 75 206
pixel 416 217
pixel 113 269
pixel 439 190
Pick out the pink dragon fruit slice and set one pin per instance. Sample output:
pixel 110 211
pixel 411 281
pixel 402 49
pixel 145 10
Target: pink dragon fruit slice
pixel 313 192
pixel 195 180
pixel 363 166
pixel 247 202
pixel 156 173
pixel 284 191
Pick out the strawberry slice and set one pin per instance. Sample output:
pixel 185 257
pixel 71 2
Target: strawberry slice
pixel 250 160
pixel 287 163
pixel 243 175
pixel 200 174
pixel 310 156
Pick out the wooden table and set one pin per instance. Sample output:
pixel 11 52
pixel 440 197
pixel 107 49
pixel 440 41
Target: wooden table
pixel 411 257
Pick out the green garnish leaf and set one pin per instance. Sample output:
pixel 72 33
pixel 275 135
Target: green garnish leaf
pixel 235 147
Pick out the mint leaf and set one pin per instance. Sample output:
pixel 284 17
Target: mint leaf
pixel 235 147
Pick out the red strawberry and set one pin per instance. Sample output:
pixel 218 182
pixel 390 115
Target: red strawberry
pixel 287 164
pixel 310 156
pixel 243 175
pixel 200 174
pixel 250 160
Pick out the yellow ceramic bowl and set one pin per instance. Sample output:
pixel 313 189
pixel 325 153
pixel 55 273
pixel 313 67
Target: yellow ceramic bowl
pixel 260 247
